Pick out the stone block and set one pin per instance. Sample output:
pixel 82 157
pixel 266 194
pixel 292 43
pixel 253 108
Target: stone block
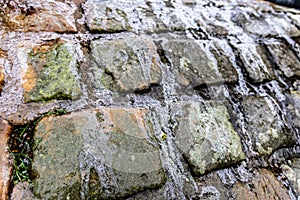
pixel 102 153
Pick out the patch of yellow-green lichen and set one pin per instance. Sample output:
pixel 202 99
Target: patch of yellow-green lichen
pixel 55 78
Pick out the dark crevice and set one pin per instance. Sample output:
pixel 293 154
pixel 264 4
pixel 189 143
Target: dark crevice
pixel 199 34
pixel 164 59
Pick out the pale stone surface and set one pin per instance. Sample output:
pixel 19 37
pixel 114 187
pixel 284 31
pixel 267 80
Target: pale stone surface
pixel 206 137
pixel 128 64
pixel 22 191
pixel 255 61
pixel 268 131
pixel 292 172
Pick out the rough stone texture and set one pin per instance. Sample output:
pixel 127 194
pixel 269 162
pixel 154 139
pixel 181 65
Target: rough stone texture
pixel 211 187
pixel 255 61
pixel 145 16
pixel 43 15
pixel 194 65
pixel 22 191
pixel 110 151
pixel 5 165
pixel 263 186
pixel 265 126
pixel 292 172
pixel 106 17
pixel 293 101
pixel 51 73
pixel 260 25
pixel 120 61
pixel 127 64
pixel 287 62
pixel 206 137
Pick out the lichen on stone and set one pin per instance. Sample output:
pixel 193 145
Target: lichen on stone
pixel 206 137
pixel 51 74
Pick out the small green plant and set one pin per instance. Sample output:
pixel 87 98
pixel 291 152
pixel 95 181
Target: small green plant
pixel 20 150
pixel 22 145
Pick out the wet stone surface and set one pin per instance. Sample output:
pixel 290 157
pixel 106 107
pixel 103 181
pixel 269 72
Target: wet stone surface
pixel 149 99
pixel 110 17
pixel 292 172
pixel 263 186
pixel 194 65
pixel 287 62
pixel 127 64
pixel 293 105
pixel 255 61
pixel 51 73
pixel 267 129
pixel 105 153
pixel 44 15
pixel 206 137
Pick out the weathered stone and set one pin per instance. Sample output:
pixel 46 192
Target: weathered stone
pixel 266 25
pixel 128 64
pixel 105 16
pixel 255 61
pixel 51 73
pixel 206 137
pixel 104 153
pixel 43 15
pixel 267 130
pixel 211 187
pixel 5 165
pixel 146 16
pixel 263 186
pixel 194 65
pixel 293 101
pixel 287 62
pixel 22 191
pixel 292 172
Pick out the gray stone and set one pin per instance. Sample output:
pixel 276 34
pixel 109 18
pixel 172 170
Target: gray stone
pixel 292 172
pixel 266 25
pixel 205 136
pixel 104 16
pixel 293 105
pixel 102 153
pixel 22 191
pixel 285 58
pixel 255 61
pixel 194 64
pixel 128 64
pixel 267 130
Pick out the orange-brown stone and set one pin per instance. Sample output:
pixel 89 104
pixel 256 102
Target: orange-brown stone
pixel 263 186
pixel 44 15
pixel 5 166
pixel 1 78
